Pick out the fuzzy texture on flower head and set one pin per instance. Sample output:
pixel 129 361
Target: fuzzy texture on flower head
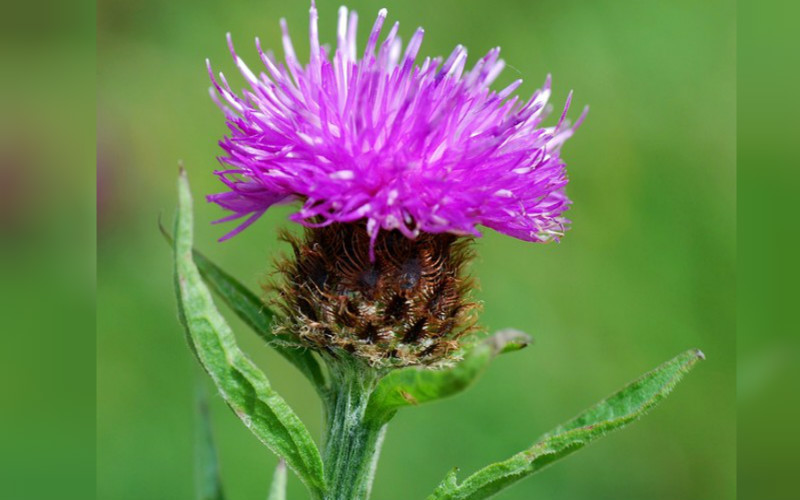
pixel 410 147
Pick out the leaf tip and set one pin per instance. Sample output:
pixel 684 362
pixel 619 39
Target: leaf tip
pixel 700 354
pixel 508 340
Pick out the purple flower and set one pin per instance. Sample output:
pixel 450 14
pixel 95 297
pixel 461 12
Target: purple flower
pixel 414 147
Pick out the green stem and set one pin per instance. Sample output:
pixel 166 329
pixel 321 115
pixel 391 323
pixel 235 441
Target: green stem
pixel 352 443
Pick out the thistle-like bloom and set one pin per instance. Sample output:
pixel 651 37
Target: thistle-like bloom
pixel 393 161
pixel 393 144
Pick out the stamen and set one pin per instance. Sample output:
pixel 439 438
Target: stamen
pixel 341 32
pixel 369 50
pixel 386 46
pixel 313 35
pixel 413 48
pixel 352 29
pixel 288 48
pixel 497 68
pixel 243 69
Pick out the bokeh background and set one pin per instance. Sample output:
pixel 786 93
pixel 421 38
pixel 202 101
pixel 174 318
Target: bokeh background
pixel 47 249
pixel 768 345
pixel 646 271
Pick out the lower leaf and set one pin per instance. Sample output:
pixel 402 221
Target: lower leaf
pixel 209 483
pixel 610 414
pixel 241 383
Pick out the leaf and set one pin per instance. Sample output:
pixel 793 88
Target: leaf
pixel 417 385
pixel 254 313
pixel 209 483
pixel 612 413
pixel 243 386
pixel 277 491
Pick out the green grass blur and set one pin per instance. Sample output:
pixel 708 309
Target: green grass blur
pixel 768 348
pixel 47 257
pixel 646 271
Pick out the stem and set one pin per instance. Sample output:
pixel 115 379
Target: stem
pixel 352 444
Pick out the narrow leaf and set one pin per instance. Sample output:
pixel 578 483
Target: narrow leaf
pixel 612 413
pixel 209 482
pixel 243 386
pixel 417 385
pixel 277 491
pixel 254 313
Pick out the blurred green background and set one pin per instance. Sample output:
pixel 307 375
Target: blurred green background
pixel 768 347
pixel 47 257
pixel 646 271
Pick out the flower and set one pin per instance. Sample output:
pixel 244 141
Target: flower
pixel 398 145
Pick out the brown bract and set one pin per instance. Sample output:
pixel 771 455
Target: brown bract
pixel 408 306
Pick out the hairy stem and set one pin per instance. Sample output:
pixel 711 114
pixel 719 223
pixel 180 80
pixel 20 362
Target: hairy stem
pixel 352 443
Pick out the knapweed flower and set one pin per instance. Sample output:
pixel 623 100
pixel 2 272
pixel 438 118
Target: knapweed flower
pixel 387 146
pixel 395 164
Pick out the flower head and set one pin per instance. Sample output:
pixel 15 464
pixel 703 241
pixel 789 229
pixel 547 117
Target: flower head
pixel 400 145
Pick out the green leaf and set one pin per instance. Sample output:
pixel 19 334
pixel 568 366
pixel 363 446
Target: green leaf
pixel 209 483
pixel 255 314
pixel 243 386
pixel 277 491
pixel 416 385
pixel 612 413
